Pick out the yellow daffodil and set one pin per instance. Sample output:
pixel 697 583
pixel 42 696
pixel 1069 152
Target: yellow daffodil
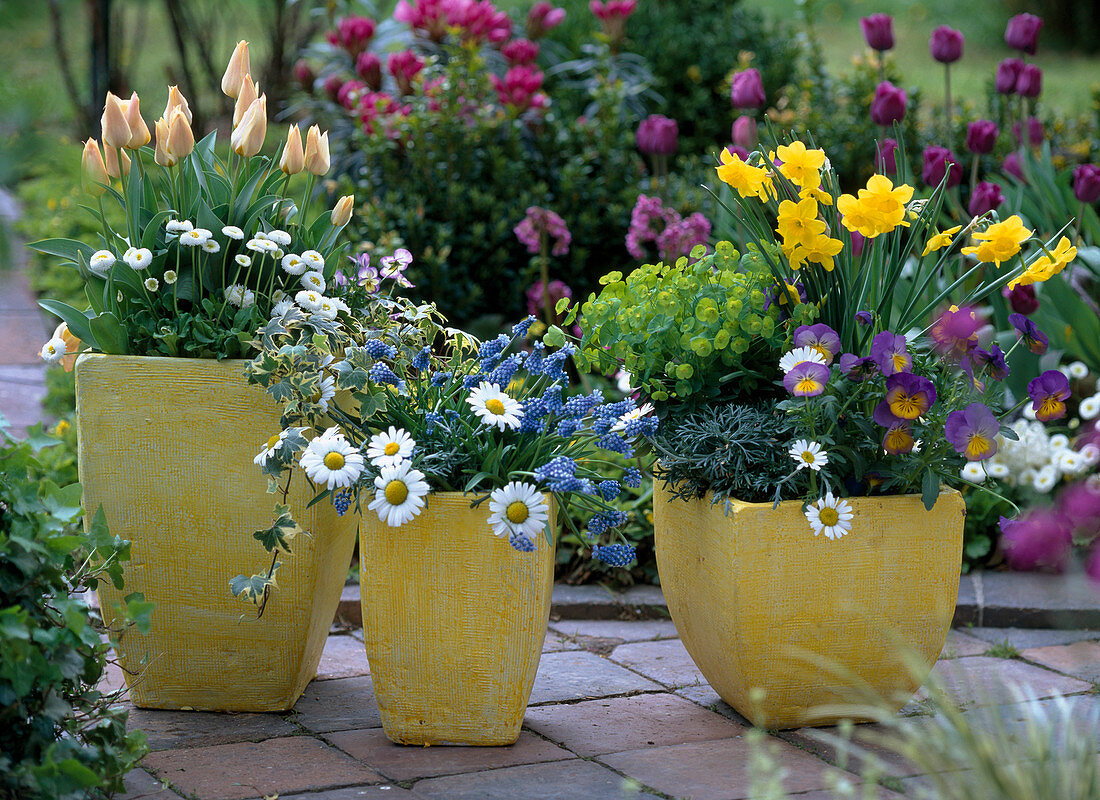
pixel 748 180
pixel 1000 241
pixel 1046 266
pixel 800 165
pixel 821 250
pixel 798 222
pixel 813 189
pixel 940 240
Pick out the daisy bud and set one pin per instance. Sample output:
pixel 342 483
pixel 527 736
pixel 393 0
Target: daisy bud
pixel 248 137
pixel 237 69
pixel 162 156
pixel 341 214
pixel 176 100
pixel 139 131
pixel 317 158
pixel 181 140
pixel 247 93
pixel 116 132
pixel 92 169
pixel 292 160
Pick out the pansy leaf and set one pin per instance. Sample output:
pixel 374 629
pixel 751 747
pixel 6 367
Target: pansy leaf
pixel 930 488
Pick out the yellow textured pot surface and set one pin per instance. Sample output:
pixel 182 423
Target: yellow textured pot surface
pixel 166 448
pixel 454 620
pixel 783 623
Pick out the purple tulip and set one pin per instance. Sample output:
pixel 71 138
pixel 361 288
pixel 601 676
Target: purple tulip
pixel 657 135
pixel 985 197
pixel 972 431
pixel 1012 166
pixel 744 132
pixel 1028 332
pixel 878 30
pixel 1035 132
pixel 1048 394
pixel 981 136
pixel 1086 183
pixel 1022 33
pixel 748 89
pixel 820 337
pixel 886 156
pixel 1041 539
pixel 946 44
pixel 1030 81
pixel 936 161
pixel 889 352
pixel 740 152
pixel 1007 73
pixel 1022 299
pixel 855 367
pixel 806 379
pixel 858 242
pixel 889 104
pixel 909 396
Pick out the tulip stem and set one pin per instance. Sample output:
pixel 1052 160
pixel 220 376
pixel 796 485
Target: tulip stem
pixel 947 103
pixel 974 173
pixel 1080 220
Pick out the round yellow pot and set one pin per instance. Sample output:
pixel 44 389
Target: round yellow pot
pixel 454 620
pixel 166 448
pixel 789 627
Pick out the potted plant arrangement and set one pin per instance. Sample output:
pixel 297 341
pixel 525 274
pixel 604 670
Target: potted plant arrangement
pixel 208 245
pixel 818 398
pixel 462 457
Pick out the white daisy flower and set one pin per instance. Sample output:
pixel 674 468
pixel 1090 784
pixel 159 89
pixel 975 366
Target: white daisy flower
pixel 248 298
pixel 293 264
pixel 518 509
pixel 234 294
pixel 1078 370
pixel 995 469
pixel 1090 454
pixel 390 448
pixel 333 461
pixel 326 390
pixel 233 232
pixel 53 350
pixel 973 472
pixel 808 455
pixel 314 281
pixel 281 308
pixel 797 356
pixel 1089 408
pixel 327 309
pixel 211 246
pixel 339 304
pixel 101 262
pixel 174 227
pixel 622 381
pixel 1045 479
pixel 243 260
pixel 1028 411
pixel 494 407
pixel 138 258
pixel 831 516
pixel 400 494
pixel 170 276
pixel 314 259
pixel 1071 462
pixel 641 411
pixel 261 245
pixel 194 238
pixel 310 301
pixel 152 284
pixel 1058 441
pixel 270 448
pixel 279 237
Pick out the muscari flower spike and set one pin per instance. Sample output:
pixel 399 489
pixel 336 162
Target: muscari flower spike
pixel 614 555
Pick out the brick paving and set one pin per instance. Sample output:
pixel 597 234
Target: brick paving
pixel 618 712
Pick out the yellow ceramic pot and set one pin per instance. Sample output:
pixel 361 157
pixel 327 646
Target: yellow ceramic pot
pixel 454 620
pixel 787 627
pixel 166 448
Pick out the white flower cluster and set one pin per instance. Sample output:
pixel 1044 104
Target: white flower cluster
pixel 1036 460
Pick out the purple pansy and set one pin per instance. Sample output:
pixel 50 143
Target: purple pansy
pixel 857 368
pixel 972 431
pixel 820 337
pixel 807 379
pixel 1048 394
pixel 898 439
pixel 909 396
pixel 888 350
pixel 1033 338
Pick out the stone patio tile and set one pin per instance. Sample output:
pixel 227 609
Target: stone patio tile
pixel 140 785
pixel 1081 659
pixel 338 705
pixel 828 794
pixel 863 750
pixel 960 644
pixel 406 762
pixel 705 696
pixel 983 680
pixel 178 729
pixel 1026 638
pixel 577 675
pixel 1032 599
pixel 614 724
pixel 664 661
pixel 560 780
pixel 343 657
pixel 383 792
pixel 248 769
pixel 639 631
pixel 555 643
pixel 715 770
pixel 1074 716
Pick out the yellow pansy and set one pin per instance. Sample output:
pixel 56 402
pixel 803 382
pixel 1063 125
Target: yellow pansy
pixel 800 165
pixel 1000 241
pixel 940 240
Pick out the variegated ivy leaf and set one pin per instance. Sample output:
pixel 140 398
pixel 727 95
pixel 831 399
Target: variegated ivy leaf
pixel 252 588
pixel 281 532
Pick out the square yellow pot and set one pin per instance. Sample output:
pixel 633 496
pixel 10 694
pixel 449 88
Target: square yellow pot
pixel 166 448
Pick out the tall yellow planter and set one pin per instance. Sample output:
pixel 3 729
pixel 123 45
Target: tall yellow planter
pixel 784 625
pixel 166 448
pixel 454 621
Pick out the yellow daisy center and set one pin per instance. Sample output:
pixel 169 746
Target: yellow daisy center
pixel 495 406
pixel 808 456
pixel 274 440
pixel 396 492
pixel 334 460
pixel 517 512
pixel 391 448
pixel 829 517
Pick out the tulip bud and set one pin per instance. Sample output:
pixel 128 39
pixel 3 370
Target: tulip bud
pixel 116 133
pixel 1013 167
pixel 181 140
pixel 946 44
pixel 93 171
pixel 1007 73
pixel 657 135
pixel 744 132
pixel 293 158
pixel 342 211
pixel 110 160
pixel 985 197
pixel 937 162
pixel 1086 183
pixel 748 89
pixel 1022 32
pixel 981 136
pixel 246 96
pixel 176 100
pixel 248 137
pixel 237 69
pixel 162 156
pixel 878 30
pixel 317 158
pixel 139 131
pixel 889 104
pixel 1029 83
pixel 886 156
